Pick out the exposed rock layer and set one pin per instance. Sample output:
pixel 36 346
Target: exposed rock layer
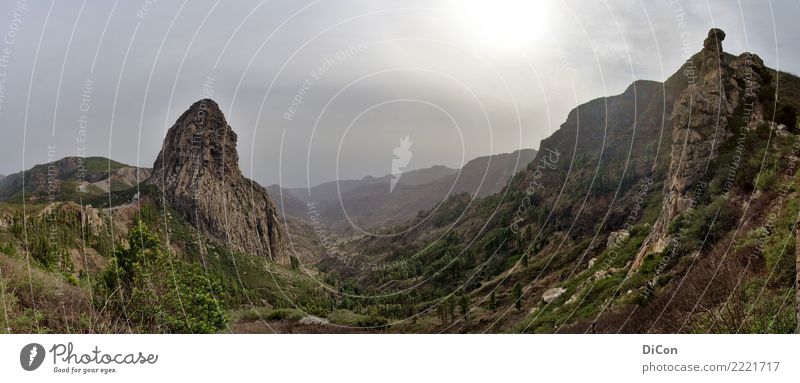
pixel 199 176
pixel 721 93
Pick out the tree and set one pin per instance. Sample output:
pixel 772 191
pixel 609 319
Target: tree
pixel 525 259
pixel 787 115
pixel 493 302
pixel 451 308
pixel 159 293
pixel 463 304
pixel 517 291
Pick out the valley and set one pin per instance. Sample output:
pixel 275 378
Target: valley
pixel 669 208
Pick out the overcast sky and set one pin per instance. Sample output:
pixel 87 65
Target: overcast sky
pixel 460 80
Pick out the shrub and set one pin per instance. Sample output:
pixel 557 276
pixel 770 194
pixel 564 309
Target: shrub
pixel 786 115
pixel 159 293
pixel 766 180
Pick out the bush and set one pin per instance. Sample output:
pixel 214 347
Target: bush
pixel 766 180
pixel 159 293
pixel 712 222
pixel 285 314
pixel 786 115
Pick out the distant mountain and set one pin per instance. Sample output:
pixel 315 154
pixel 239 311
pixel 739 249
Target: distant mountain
pixel 329 191
pixel 369 201
pixel 72 179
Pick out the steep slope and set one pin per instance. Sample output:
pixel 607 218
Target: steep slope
pixel 722 102
pixel 198 173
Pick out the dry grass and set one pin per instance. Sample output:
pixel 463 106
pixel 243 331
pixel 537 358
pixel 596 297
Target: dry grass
pixel 35 301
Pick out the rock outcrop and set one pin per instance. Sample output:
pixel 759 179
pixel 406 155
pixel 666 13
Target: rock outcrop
pixel 198 174
pixel 720 99
pixel 616 238
pixel 552 294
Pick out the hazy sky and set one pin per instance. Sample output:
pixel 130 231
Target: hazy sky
pixel 319 90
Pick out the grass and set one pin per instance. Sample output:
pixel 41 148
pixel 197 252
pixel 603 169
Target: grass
pixel 35 301
pixel 265 313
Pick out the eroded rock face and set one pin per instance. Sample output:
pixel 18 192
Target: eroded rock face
pixel 722 93
pixel 199 176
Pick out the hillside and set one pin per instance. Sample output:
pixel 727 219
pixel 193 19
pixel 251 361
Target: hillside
pixel 93 179
pixel 572 247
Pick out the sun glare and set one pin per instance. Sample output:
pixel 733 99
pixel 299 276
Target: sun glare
pixel 504 24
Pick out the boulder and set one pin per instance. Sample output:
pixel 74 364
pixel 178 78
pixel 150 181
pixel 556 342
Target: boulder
pixel 553 294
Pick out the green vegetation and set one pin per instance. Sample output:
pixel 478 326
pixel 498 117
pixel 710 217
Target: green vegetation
pixel 155 292
pixel 517 294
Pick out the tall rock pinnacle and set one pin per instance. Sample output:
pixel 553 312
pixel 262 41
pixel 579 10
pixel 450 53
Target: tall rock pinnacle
pixel 719 102
pixel 198 173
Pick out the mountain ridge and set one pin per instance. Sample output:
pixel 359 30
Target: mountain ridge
pixel 370 202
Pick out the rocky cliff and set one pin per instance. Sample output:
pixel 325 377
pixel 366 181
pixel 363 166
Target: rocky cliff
pixel 719 101
pixel 198 174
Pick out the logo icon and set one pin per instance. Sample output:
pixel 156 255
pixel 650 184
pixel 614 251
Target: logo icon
pixel 399 164
pixel 31 356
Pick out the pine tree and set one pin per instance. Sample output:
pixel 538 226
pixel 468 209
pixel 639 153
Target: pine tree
pixel 451 308
pixel 463 303
pixel 518 296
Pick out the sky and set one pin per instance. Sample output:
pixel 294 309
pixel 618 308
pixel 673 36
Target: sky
pixel 326 90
